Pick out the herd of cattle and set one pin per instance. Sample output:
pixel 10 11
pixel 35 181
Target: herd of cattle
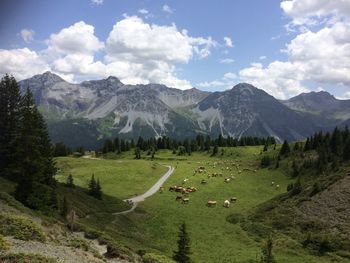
pixel 185 191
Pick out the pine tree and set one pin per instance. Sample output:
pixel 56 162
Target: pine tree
pixel 33 165
pixel 65 207
pixel 92 185
pixel 70 181
pixel 215 150
pixel 137 153
pixel 284 149
pixel 183 253
pixel 267 256
pixel 9 123
pixel 98 190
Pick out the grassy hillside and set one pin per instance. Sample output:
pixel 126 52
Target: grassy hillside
pixel 218 234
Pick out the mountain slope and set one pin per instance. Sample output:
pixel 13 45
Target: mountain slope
pixel 247 111
pixel 91 111
pixel 321 104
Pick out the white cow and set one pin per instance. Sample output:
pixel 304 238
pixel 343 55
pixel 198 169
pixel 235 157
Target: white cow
pixel 227 203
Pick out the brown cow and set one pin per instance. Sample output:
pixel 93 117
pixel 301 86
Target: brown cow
pixel 204 181
pixel 178 198
pixel 233 199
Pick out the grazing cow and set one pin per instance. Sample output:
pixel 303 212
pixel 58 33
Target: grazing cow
pixel 211 203
pixel 161 189
pixel 277 186
pixel 233 199
pixel 272 183
pixel 184 181
pixel 227 203
pixel 178 198
pixel 178 189
pixel 227 180
pixel 204 181
pixel 232 177
pixel 172 188
pixel 185 200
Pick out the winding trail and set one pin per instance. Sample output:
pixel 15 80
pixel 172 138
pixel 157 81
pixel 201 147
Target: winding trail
pixel 135 200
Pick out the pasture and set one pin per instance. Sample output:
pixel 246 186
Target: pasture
pixel 154 224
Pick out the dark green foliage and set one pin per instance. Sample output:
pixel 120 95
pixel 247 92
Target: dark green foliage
pixel 137 153
pixel 295 188
pixel 70 181
pixel 285 149
pixel 200 143
pixel 267 256
pixel 183 253
pixel 10 116
pixel 265 161
pixel 215 150
pixel 65 207
pixel 181 151
pixel 33 165
pixel 95 188
pixel 60 149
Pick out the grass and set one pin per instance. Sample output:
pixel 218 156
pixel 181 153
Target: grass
pixel 217 234
pixel 121 178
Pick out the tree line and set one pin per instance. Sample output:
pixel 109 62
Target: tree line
pixel 200 143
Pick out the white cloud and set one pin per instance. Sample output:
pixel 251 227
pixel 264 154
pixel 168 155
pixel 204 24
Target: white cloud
pixel 226 82
pixel 27 35
pixel 262 57
pixel 152 51
pixel 312 12
pixel 345 96
pixel 77 39
pixel 228 42
pixel 319 56
pixel 135 52
pixel 227 60
pixel 96 2
pixel 22 63
pixel 143 11
pixel 168 9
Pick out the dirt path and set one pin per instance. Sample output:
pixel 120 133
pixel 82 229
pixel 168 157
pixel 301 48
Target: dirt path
pixel 154 189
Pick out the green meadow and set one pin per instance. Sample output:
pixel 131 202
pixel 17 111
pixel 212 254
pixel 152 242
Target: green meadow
pixel 215 234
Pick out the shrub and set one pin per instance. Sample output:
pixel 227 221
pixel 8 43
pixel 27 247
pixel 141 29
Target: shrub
pixel 79 243
pixel 25 258
pixel 3 244
pixel 115 250
pixel 20 228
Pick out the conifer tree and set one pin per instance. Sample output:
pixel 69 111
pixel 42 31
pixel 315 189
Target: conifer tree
pixel 285 148
pixel 183 252
pixel 9 123
pixel 98 190
pixel 70 181
pixel 33 164
pixel 92 185
pixel 65 207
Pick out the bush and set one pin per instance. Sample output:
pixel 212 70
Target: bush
pixel 3 244
pixel 155 258
pixel 115 250
pixel 20 228
pixel 25 258
pixel 79 243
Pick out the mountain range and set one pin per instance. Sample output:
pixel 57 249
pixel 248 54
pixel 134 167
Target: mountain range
pixel 91 111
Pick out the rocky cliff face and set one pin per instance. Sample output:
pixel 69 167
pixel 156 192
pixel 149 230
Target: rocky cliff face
pixel 106 108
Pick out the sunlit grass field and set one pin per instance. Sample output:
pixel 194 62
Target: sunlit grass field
pixel 154 224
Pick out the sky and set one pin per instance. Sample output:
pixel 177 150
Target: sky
pixel 284 47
